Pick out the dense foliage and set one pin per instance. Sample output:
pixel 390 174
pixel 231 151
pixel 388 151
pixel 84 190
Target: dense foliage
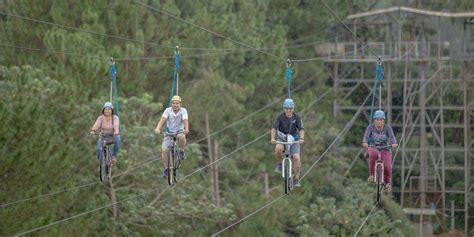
pixel 50 100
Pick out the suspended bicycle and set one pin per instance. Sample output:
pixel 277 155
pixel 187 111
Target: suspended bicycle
pixel 105 156
pixel 287 164
pixel 379 171
pixel 173 159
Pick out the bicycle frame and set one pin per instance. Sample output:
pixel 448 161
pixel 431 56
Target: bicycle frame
pixel 287 160
pixel 105 169
pixel 172 161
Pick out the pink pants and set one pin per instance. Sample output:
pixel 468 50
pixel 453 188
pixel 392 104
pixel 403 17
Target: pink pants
pixel 387 163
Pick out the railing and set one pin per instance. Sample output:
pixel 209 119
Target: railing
pixel 398 50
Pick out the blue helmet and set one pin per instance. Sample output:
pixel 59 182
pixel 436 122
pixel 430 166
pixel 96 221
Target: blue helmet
pixel 108 105
pixel 379 114
pixel 288 103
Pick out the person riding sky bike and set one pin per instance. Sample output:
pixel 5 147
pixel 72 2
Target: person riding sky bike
pixel 108 123
pixel 290 123
pixel 380 134
pixel 176 119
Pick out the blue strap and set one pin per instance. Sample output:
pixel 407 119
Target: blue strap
pixel 176 68
pixel 288 76
pixel 113 72
pixel 379 72
pixel 372 103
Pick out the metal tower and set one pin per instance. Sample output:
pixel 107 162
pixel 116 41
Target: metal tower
pixel 428 60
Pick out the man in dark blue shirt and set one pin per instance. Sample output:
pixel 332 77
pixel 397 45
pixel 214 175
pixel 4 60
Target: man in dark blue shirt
pixel 290 123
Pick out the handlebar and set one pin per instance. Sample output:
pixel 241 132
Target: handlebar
pixel 381 147
pixel 172 134
pixel 288 143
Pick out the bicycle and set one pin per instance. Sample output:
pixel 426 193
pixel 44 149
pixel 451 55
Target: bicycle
pixel 173 160
pixel 287 164
pixel 105 160
pixel 379 171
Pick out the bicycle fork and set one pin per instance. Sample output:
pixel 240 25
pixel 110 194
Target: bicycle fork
pixel 283 167
pixel 379 170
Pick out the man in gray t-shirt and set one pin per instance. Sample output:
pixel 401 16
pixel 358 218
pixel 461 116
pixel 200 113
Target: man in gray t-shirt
pixel 176 119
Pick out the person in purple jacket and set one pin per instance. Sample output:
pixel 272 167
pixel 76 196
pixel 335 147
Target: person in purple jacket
pixel 380 134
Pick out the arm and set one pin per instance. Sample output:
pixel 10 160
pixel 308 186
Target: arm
pixel 186 126
pixel 365 139
pixel 116 124
pixel 160 124
pixel 275 126
pixel 273 134
pixel 96 125
pixel 299 125
pixel 185 121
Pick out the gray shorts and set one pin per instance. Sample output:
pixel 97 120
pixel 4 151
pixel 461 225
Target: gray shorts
pixel 294 148
pixel 167 142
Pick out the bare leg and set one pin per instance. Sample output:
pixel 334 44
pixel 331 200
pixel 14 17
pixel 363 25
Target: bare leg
pixel 164 151
pixel 181 141
pixel 297 165
pixel 279 152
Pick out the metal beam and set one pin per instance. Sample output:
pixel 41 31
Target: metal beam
pixel 410 10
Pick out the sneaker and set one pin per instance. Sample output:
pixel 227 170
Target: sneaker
pixel 388 187
pixel 278 168
pixel 182 155
pixel 371 178
pixel 165 173
pixel 297 183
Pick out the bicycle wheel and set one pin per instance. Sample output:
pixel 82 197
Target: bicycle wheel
pixel 287 177
pixel 177 162
pixel 102 166
pixel 108 163
pixel 169 166
pixel 379 182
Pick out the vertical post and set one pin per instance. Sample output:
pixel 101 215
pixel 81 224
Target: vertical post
pixel 215 169
pixel 422 138
pixel 112 75
pixel 177 69
pixel 420 232
pixel 404 127
pixel 389 93
pixel 266 184
pixel 379 70
pixel 335 85
pixel 443 167
pixel 288 76
pixel 209 153
pixel 111 90
pixel 467 158
pixel 452 215
pixel 399 38
pixel 113 72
